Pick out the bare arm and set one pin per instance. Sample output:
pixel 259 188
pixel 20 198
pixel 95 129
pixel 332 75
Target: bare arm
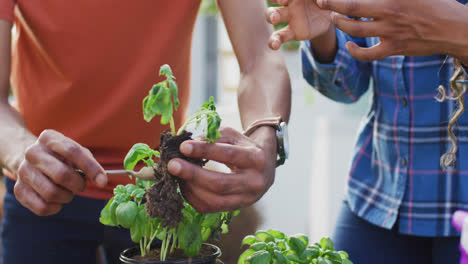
pixel 14 137
pixel 264 89
pixel 44 166
pixel 264 92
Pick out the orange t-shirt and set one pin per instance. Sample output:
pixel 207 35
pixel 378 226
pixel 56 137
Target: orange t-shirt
pixel 84 67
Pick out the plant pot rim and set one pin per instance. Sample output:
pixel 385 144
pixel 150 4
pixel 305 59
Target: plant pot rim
pixel 195 260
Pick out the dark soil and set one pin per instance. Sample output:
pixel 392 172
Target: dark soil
pixel 163 199
pixel 178 254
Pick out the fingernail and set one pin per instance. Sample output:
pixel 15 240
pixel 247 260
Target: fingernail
pixel 186 148
pixel 276 44
pixel 101 180
pixel 272 17
pixel 174 167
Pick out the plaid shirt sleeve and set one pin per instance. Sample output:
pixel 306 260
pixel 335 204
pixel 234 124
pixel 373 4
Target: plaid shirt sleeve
pixel 343 80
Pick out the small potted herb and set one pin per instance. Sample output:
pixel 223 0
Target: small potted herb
pixel 155 209
pixel 274 247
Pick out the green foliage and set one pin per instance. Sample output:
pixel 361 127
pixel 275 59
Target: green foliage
pixel 126 208
pixel 274 247
pixel 162 98
pixel 213 121
pixel 140 152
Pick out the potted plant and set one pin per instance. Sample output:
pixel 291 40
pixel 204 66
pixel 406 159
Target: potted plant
pixel 274 247
pixel 154 208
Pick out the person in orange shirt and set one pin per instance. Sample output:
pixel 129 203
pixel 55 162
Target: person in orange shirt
pixel 79 71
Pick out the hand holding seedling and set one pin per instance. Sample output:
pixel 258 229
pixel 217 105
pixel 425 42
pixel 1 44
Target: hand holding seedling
pixel 155 209
pixel 412 28
pixel 252 172
pixel 47 177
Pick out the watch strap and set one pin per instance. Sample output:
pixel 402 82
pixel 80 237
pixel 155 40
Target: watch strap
pixel 269 121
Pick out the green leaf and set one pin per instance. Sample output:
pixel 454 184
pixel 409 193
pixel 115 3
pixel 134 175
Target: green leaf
pixel 346 261
pixel 277 234
pixel 206 233
pixel 343 254
pixel 265 236
pixel 137 231
pixel 163 105
pixel 244 255
pixel 302 237
pixel 280 257
pixel 126 214
pixel 120 189
pixel 326 243
pixel 333 256
pixel 310 252
pixel 137 153
pixel 130 188
pixel 250 240
pixel 190 239
pixel 224 228
pixel 166 70
pixel 121 198
pixel 105 217
pixel 236 213
pixel 210 220
pixel 281 245
pixel 162 234
pixel 174 91
pixel 297 245
pixel 258 246
pixel 322 260
pixel 113 208
pixel 259 257
pixel 294 258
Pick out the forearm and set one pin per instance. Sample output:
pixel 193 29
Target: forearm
pixel 264 90
pixel 456 43
pixel 324 47
pixel 14 137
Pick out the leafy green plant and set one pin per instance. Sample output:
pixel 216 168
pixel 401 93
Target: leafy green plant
pixel 126 209
pixel 274 247
pixel 163 100
pixel 135 207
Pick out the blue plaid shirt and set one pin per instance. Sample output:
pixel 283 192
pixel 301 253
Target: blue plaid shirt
pixel 395 177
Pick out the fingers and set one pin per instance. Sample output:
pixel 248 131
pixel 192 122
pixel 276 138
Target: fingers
pixel 31 200
pixel 207 202
pixel 376 52
pixel 274 15
pixel 357 28
pixel 57 171
pixel 281 36
pixel 42 186
pixel 221 183
pixel 79 156
pixel 238 156
pixel 357 8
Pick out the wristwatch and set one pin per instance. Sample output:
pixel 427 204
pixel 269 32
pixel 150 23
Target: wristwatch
pixel 282 142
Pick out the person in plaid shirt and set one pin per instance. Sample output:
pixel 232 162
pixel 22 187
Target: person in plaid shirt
pixel 399 200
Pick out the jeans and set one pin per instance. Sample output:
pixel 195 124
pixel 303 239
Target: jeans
pixel 370 244
pixel 71 236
